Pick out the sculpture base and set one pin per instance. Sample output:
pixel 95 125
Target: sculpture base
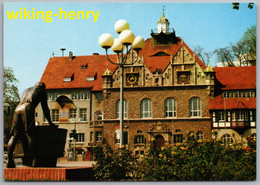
pixel 48 174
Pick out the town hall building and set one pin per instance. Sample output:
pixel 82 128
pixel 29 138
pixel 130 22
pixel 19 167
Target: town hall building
pixel 169 93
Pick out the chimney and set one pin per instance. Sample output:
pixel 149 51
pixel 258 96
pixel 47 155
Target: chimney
pixel 70 55
pixel 95 53
pixel 62 50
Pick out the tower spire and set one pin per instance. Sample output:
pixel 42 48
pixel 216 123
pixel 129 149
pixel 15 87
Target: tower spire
pixel 163 9
pixel 163 23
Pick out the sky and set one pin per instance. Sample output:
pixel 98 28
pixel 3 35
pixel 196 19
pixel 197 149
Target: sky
pixel 28 44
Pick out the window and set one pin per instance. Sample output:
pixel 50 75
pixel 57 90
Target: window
pixel 139 139
pixel 72 113
pixel 146 110
pixel 81 95
pixel 200 135
pixel 139 152
pixel 83 114
pixel 99 116
pixel 221 116
pixel 252 115
pixel 195 107
pixel 238 94
pixel 99 136
pixel 74 96
pixel 87 95
pixel 118 109
pixel 227 139
pixel 177 138
pixel 246 116
pixel 80 137
pixel 54 96
pixel 49 96
pixel 55 115
pixel 234 116
pixel 240 115
pixel 226 94
pixel 170 108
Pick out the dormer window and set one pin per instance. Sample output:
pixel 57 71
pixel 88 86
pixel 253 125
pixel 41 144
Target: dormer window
pixel 91 78
pixel 68 78
pixel 84 66
pixel 161 53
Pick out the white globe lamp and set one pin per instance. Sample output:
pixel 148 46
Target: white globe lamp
pixel 127 37
pixel 106 40
pixel 121 25
pixel 117 46
pixel 138 43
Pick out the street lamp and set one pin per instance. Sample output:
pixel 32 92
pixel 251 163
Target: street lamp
pixel 118 45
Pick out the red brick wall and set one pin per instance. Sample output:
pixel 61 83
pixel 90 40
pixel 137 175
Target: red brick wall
pixel 157 96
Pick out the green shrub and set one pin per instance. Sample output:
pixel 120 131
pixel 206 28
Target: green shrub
pixel 194 160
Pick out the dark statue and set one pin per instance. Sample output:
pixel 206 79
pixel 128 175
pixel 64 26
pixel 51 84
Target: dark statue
pixel 23 126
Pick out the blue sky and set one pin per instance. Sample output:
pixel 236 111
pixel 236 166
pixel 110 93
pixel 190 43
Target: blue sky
pixel 28 44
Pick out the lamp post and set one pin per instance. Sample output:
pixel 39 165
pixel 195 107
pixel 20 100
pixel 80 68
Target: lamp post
pixel 118 45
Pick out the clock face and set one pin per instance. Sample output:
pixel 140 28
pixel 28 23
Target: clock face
pixel 132 79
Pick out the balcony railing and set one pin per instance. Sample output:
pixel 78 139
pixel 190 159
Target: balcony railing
pixel 97 123
pixel 171 30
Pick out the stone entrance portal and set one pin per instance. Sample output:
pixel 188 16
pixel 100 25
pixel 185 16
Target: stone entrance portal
pixel 159 141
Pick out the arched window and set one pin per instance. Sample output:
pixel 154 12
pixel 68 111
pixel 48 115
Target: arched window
pixel 146 108
pixel 200 135
pixel 227 139
pixel 195 107
pixel 118 109
pixel 170 108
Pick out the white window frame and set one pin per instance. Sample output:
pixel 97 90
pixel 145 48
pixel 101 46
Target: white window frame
pixel 195 109
pixel 221 116
pixel 240 115
pixel 146 108
pixel 74 96
pixel 55 115
pixel 139 139
pixel 118 109
pixel 83 114
pixel 72 113
pixel 87 95
pixel 227 139
pixel 170 108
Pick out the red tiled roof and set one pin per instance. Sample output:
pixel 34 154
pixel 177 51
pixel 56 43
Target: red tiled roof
pixel 218 103
pixel 60 67
pixel 161 62
pixel 234 78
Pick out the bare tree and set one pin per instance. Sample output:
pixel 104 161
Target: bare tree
pixel 224 55
pixel 204 56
